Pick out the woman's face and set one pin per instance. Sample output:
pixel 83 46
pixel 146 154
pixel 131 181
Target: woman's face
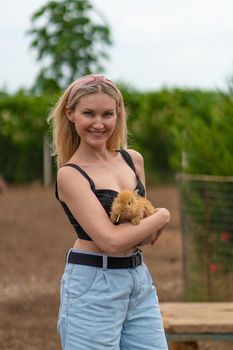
pixel 95 118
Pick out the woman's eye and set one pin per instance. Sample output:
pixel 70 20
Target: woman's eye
pixel 87 113
pixel 108 114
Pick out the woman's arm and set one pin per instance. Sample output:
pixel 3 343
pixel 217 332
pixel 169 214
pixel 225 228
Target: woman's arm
pixel 75 191
pixel 139 165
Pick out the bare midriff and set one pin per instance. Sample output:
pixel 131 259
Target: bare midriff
pixel 90 246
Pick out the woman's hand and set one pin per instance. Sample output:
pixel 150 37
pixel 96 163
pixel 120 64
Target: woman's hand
pixel 155 236
pixel 159 232
pixel 149 240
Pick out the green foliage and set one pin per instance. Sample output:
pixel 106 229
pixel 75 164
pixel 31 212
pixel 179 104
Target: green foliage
pixel 22 126
pixel 182 131
pixel 165 125
pixel 23 117
pixel 203 132
pixel 69 37
pixel 150 115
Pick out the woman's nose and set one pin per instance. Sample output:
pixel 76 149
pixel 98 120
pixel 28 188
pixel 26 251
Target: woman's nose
pixel 98 123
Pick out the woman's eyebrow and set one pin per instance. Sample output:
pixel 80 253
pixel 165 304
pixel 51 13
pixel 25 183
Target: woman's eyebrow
pixel 92 110
pixel 88 109
pixel 109 110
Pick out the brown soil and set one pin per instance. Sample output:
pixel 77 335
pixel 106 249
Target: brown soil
pixel 35 235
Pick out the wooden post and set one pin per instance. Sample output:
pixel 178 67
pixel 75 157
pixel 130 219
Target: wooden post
pixel 183 345
pixel 207 242
pixel 47 164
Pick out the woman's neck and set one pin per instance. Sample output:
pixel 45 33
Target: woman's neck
pixel 91 155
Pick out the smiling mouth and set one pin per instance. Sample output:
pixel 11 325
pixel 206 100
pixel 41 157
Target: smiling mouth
pixel 97 133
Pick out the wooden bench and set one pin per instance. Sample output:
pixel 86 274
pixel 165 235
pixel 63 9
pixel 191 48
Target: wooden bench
pixel 187 323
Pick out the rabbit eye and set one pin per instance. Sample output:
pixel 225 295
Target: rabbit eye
pixel 129 202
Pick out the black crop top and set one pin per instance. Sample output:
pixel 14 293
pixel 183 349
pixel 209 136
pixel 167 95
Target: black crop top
pixel 105 196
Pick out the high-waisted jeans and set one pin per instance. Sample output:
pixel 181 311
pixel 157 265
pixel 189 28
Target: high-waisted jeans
pixel 114 309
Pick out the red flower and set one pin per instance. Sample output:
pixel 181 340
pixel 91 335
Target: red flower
pixel 214 267
pixel 225 236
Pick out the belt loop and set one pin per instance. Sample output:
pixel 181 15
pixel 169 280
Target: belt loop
pixel 67 254
pixel 140 252
pixel 105 262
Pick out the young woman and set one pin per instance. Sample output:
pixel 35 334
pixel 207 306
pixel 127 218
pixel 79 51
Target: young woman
pixel 108 300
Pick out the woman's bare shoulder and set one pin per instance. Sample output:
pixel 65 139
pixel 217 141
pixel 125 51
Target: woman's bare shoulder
pixel 138 163
pixel 69 180
pixel 137 157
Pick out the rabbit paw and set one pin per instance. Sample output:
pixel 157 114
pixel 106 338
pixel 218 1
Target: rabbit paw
pixel 135 221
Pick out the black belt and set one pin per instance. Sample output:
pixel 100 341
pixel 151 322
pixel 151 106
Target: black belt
pixel 111 262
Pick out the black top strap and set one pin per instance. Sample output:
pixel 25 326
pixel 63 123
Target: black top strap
pixel 56 191
pixel 127 157
pixel 77 167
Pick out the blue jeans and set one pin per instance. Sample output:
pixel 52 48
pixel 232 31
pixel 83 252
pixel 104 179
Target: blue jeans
pixel 114 309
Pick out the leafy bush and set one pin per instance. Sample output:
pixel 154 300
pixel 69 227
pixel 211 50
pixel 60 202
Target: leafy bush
pixel 203 132
pixel 176 130
pixel 182 130
pixel 22 126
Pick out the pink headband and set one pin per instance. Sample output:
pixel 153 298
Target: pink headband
pixel 89 80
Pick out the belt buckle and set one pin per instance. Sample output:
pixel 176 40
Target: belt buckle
pixel 136 260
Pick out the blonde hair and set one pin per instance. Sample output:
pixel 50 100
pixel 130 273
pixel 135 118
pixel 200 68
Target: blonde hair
pixel 65 138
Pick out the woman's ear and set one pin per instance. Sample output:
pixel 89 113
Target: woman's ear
pixel 69 114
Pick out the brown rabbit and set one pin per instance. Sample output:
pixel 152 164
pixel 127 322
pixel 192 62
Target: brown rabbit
pixel 128 206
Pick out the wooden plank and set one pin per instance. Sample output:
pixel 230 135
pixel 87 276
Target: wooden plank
pixel 192 337
pixel 204 317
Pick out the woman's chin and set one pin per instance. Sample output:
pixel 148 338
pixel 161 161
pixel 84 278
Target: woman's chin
pixel 96 142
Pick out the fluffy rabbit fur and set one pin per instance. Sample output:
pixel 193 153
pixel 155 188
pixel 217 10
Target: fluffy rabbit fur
pixel 128 206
